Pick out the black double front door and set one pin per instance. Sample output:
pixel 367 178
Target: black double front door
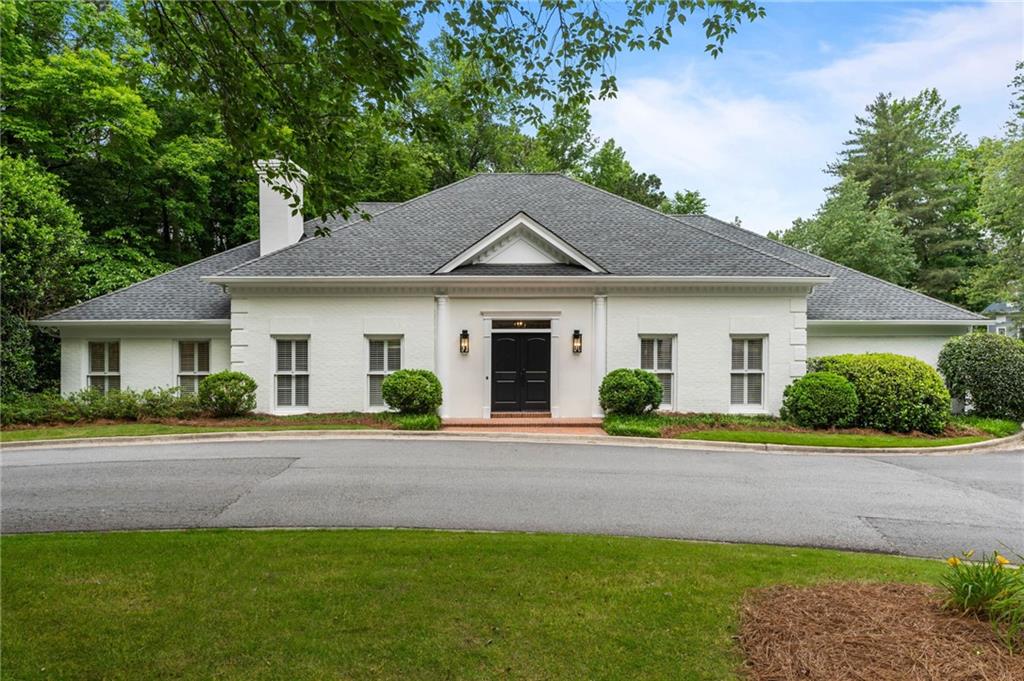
pixel 520 372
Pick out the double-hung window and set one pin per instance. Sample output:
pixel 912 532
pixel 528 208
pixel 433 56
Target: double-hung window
pixel 105 366
pixel 292 375
pixel 193 365
pixel 747 378
pixel 656 357
pixel 385 357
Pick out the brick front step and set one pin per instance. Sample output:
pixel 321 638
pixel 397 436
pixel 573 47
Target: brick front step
pixel 521 422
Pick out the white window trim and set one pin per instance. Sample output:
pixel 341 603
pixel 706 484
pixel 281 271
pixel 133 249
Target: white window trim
pixel 89 373
pixel 291 409
pixel 178 373
pixel 670 405
pixel 745 408
pixel 366 363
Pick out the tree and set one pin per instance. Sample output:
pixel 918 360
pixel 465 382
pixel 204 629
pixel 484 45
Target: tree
pixel 43 245
pixel 609 170
pixel 292 79
pixel 848 231
pixel 1001 210
pixel 687 202
pixel 908 153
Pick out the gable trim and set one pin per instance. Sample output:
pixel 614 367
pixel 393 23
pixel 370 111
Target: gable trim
pixel 536 230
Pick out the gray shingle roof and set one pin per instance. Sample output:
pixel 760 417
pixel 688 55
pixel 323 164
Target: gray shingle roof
pixel 421 235
pixel 852 295
pixel 336 220
pixel 178 294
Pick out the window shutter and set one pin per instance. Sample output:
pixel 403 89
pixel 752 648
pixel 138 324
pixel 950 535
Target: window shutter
pixel 738 355
pixel 302 391
pixel 736 389
pixel 376 355
pixel 284 355
pixel 113 357
pixel 301 355
pixel 394 355
pixel 284 391
pixel 97 357
pixel 96 382
pixel 753 388
pixel 203 356
pixel 754 354
pixel 665 354
pixel 647 354
pixel 187 356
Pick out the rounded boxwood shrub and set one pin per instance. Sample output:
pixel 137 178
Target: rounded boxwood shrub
pixel 895 393
pixel 986 371
pixel 412 391
pixel 227 393
pixel 629 391
pixel 820 400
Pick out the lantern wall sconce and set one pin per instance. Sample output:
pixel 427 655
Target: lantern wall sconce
pixel 577 342
pixel 464 342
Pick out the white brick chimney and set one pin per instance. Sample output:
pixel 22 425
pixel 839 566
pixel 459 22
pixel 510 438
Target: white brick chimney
pixel 278 227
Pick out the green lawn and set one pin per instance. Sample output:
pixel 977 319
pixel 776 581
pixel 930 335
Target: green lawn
pixel 380 604
pixel 299 422
pixel 824 439
pixel 773 430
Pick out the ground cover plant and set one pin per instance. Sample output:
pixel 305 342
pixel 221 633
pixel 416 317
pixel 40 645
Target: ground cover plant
pixel 774 430
pixel 380 604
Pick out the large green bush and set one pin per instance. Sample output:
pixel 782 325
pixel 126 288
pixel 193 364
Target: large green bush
pixel 986 371
pixel 820 400
pixel 629 391
pixel 412 391
pixel 227 393
pixel 895 393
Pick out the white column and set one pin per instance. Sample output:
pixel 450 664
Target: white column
pixel 442 350
pixel 600 345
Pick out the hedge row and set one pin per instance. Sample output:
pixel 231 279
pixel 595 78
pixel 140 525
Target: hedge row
pixel 225 394
pixel 986 372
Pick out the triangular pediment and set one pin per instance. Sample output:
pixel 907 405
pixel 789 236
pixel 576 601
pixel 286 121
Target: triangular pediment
pixel 521 241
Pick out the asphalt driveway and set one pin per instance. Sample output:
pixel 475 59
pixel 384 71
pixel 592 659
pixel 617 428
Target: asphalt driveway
pixel 922 505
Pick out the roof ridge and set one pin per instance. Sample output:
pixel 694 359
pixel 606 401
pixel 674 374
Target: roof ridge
pixel 693 226
pixel 300 242
pixel 149 279
pixel 834 263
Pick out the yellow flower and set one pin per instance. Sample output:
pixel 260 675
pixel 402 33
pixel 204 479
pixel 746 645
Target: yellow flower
pixel 968 554
pixel 1001 560
pixel 953 561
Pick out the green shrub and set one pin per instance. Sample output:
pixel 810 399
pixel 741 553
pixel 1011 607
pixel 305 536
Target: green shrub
pixel 989 588
pixel 47 407
pixel 163 403
pixel 648 425
pixel 629 391
pixel 820 400
pixel 417 421
pixel 895 393
pixel 227 393
pixel 412 391
pixel 986 371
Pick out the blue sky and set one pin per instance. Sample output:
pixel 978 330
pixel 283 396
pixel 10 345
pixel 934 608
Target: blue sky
pixel 754 129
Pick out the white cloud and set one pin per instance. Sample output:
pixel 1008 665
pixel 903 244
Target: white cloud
pixel 761 156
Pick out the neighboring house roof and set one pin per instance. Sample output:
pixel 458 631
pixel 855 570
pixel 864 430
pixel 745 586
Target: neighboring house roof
pixel 852 295
pixel 1001 308
pixel 420 236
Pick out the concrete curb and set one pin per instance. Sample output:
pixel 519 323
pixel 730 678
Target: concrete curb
pixel 997 445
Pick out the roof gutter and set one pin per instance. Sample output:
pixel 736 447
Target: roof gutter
pixel 437 279
pixel 896 322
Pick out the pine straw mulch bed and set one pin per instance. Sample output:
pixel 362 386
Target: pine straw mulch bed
pixel 857 631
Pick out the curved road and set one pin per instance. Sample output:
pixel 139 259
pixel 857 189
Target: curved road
pixel 915 505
